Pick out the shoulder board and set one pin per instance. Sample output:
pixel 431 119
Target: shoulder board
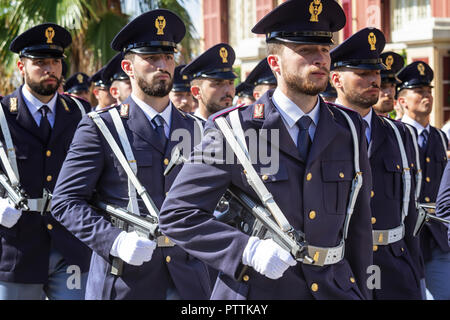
pixel 226 111
pixel 340 106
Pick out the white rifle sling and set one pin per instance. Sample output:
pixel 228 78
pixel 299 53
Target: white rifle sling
pixel 406 174
pixel 153 211
pixel 358 180
pixel 11 165
pixel 418 167
pixel 79 105
pixel 132 203
pixel 236 141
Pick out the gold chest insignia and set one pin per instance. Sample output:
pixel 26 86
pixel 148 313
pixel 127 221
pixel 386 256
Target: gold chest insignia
pixel 389 62
pixel 315 8
pixel 49 34
pixel 258 111
pixel 421 69
pixel 64 103
pixel 160 24
pixel 372 41
pixel 13 105
pixel 124 110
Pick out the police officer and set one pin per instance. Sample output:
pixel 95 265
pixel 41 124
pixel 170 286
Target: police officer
pixel 143 126
pixel 244 94
pixel 181 95
pixel 415 96
pixel 39 257
pixel 356 66
pixel 100 90
pixel 212 79
pixel 262 78
pixel 120 88
pixel 393 63
pixel 78 85
pixel 311 186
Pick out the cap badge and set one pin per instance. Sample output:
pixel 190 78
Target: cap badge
pixel 315 8
pixel 389 62
pixel 372 41
pixel 80 78
pixel 184 77
pixel 13 105
pixel 258 111
pixel 223 54
pixel 49 34
pixel 421 69
pixel 160 24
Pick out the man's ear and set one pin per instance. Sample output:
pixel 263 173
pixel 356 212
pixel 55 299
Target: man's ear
pixel 95 92
pixel 114 92
pixel 195 90
pixel 127 67
pixel 21 66
pixel 402 102
pixel 336 80
pixel 274 63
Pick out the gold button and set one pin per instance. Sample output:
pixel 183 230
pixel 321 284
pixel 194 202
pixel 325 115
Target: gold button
pixel 166 193
pixel 245 278
pixel 166 161
pixel 374 220
pixel 341 175
pixel 352 280
pixel 403 249
pixel 245 172
pixel 372 194
pixel 48 153
pixel 427 199
pixel 49 227
pixel 398 167
pixel 412 165
pixel 427 159
pixel 314 287
pixel 309 176
pixel 265 177
pixel 168 259
pixel 375 248
pixel 49 178
pixel 312 214
pixel 428 179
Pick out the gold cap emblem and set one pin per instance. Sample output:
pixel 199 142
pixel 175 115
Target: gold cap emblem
pixel 160 24
pixel 372 41
pixel 80 78
pixel 315 8
pixel 223 54
pixel 421 69
pixel 389 62
pixel 49 34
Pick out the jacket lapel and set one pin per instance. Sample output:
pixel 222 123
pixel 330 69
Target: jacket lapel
pixel 178 121
pixel 378 134
pixel 139 124
pixel 63 116
pixel 24 117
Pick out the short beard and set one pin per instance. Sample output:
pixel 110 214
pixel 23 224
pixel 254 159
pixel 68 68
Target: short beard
pixel 302 85
pixel 213 108
pixel 358 100
pixel 40 88
pixel 156 89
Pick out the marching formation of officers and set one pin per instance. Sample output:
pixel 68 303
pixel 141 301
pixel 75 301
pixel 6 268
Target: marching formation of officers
pixel 348 181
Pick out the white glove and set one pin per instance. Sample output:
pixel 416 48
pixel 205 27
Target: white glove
pixel 8 214
pixel 267 257
pixel 133 249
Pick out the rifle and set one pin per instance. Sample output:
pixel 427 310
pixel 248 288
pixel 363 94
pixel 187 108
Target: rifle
pixel 426 213
pixel 144 226
pixel 15 193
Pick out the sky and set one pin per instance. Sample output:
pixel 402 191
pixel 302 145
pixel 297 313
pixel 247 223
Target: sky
pixel 193 7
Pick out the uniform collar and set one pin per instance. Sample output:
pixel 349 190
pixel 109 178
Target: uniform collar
pixel 368 118
pixel 290 112
pixel 150 113
pixel 198 114
pixel 415 124
pixel 34 104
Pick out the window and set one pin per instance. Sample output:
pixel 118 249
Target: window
pixel 405 11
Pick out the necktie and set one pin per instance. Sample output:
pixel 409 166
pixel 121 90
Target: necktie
pixel 158 122
pixel 304 140
pixel 366 132
pixel 44 125
pixel 424 136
